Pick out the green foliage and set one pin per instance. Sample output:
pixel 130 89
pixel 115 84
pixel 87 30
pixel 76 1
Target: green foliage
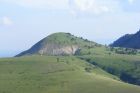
pixel 126 67
pixel 120 50
pixel 67 39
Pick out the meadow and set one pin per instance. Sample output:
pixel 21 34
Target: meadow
pixel 57 74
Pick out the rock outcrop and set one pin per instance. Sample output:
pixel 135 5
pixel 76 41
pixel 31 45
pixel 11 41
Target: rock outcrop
pixel 55 49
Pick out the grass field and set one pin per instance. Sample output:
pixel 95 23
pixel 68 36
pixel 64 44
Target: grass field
pixel 47 74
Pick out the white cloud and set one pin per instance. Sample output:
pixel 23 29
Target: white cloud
pixel 7 21
pixel 88 6
pixel 95 6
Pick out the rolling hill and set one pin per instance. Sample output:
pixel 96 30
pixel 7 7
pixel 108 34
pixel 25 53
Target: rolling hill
pixel 125 67
pixel 57 74
pixel 58 44
pixel 64 63
pixel 65 44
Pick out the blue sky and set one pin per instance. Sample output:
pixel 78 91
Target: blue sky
pixel 24 22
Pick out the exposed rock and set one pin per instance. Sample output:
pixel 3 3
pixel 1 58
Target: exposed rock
pixel 55 49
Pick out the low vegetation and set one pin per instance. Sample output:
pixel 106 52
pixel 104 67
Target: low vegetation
pixel 126 67
pixel 50 74
pixel 128 51
pixel 86 67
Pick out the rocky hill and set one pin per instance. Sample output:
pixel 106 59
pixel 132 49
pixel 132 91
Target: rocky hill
pixel 128 41
pixel 58 44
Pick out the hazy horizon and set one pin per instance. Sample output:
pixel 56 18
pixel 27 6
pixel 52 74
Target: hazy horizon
pixel 25 22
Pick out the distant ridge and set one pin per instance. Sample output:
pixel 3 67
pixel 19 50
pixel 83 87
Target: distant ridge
pixel 128 41
pixel 58 44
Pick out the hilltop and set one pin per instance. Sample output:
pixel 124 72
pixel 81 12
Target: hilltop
pixel 59 44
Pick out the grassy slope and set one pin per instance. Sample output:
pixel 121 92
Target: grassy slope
pixel 42 74
pixel 66 39
pixel 127 67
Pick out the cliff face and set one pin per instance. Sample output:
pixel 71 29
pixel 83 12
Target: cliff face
pixel 55 49
pixel 58 44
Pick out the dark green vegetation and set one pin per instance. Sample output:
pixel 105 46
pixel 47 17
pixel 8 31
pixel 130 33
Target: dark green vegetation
pixel 63 63
pixel 126 67
pixel 128 41
pixel 128 51
pixel 49 74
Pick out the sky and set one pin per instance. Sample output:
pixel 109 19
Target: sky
pixel 25 22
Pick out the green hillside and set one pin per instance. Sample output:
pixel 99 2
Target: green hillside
pixel 126 67
pixel 57 74
pixel 59 44
pixel 121 62
pixel 64 63
pixel 66 39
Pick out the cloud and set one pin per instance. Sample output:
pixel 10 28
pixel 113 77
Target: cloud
pixel 7 21
pixel 74 6
pixel 95 6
